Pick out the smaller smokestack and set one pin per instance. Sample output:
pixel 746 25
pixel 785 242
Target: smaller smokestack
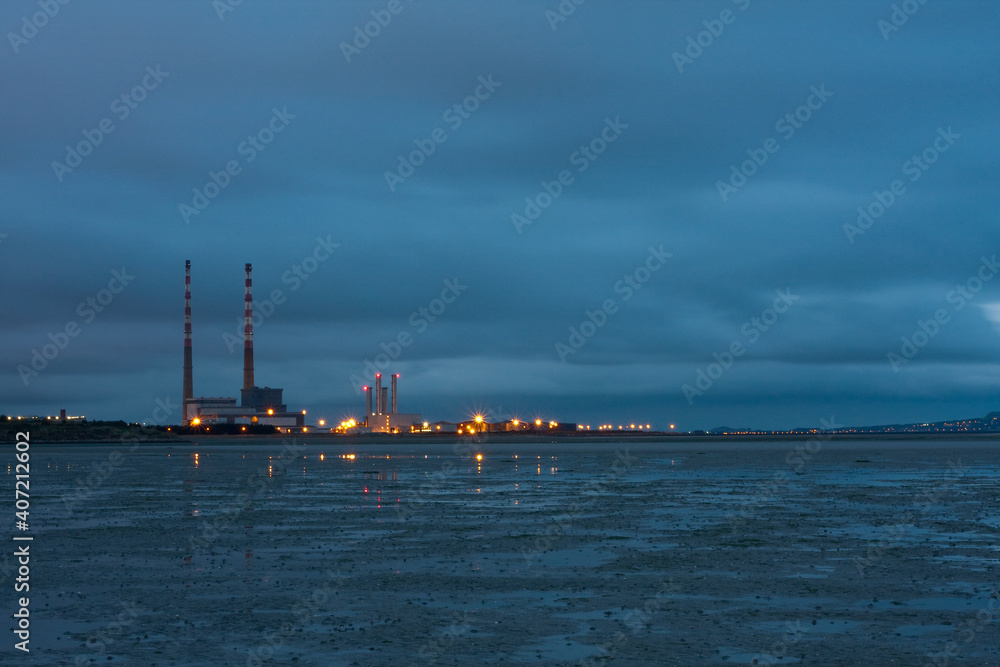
pixel 385 399
pixel 394 392
pixel 378 393
pixel 368 402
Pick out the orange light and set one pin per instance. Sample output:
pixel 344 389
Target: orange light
pixel 195 421
pixel 244 428
pixel 479 457
pixel 270 411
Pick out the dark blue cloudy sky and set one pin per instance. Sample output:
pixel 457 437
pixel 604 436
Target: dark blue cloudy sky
pixel 682 117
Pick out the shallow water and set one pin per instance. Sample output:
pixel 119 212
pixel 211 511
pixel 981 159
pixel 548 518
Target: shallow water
pixel 693 553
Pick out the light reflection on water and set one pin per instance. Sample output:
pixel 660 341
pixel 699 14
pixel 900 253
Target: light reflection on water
pixel 486 469
pixel 374 474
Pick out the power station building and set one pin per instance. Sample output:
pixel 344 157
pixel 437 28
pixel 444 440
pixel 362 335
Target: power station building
pixel 258 405
pixel 385 419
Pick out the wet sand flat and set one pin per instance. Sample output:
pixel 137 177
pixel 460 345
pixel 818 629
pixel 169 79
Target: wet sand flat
pixel 260 551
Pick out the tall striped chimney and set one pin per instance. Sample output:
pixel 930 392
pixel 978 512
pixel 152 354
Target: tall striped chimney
pixel 396 375
pixel 188 392
pixel 378 394
pixel 368 402
pixel 385 400
pixel 248 335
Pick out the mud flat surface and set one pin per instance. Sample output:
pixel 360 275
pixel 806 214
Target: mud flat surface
pixel 261 552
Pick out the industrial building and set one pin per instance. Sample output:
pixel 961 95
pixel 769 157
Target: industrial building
pixel 386 419
pixel 442 427
pixel 258 405
pixel 478 424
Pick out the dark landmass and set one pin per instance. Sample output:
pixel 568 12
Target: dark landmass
pixel 82 430
pixel 50 430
